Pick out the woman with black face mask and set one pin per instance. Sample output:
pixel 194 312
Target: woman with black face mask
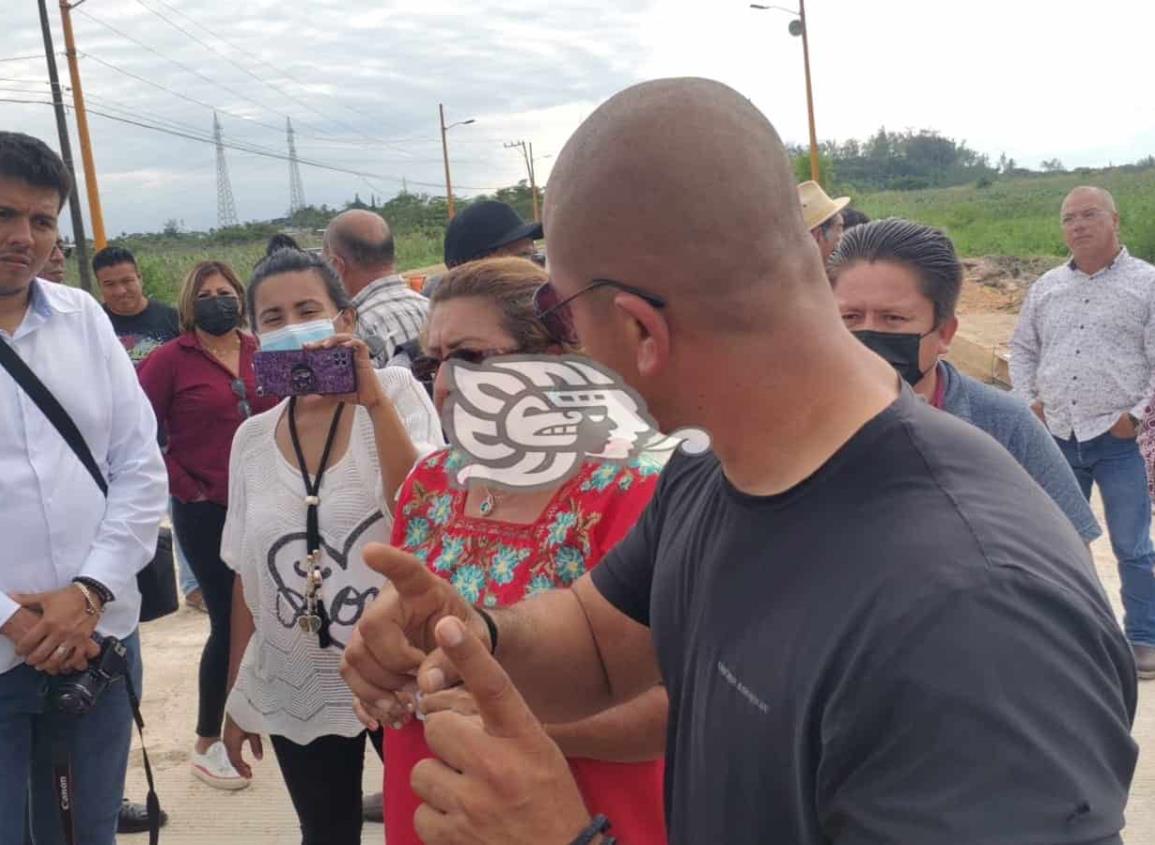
pixel 202 387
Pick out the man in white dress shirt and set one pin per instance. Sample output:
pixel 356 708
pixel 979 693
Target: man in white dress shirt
pixel 71 554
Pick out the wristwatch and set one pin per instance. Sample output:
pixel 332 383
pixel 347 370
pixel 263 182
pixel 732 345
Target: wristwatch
pixel 1136 423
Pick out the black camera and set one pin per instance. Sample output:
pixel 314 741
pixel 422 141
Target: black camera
pixel 77 694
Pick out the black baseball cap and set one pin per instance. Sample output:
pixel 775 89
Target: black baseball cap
pixel 483 227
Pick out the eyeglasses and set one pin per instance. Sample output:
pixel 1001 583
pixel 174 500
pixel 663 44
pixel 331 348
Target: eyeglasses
pixel 554 312
pixel 243 406
pixel 1089 214
pixel 426 367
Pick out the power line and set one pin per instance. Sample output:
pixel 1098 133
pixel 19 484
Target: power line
pixel 181 65
pixel 255 59
pixel 271 85
pixel 20 58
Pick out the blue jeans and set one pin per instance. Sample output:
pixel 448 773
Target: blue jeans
pixel 1117 467
pixel 97 745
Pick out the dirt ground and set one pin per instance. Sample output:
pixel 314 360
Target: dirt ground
pixel 262 815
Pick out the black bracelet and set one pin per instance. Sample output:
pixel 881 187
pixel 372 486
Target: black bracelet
pixel 492 626
pixel 102 592
pixel 600 824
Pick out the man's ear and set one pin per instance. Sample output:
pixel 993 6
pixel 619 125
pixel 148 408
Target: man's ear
pixel 649 332
pixel 946 333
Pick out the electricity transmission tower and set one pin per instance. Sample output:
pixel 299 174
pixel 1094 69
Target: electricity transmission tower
pixel 296 189
pixel 226 205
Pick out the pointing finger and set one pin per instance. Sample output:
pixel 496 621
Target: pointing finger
pixel 408 575
pixel 503 710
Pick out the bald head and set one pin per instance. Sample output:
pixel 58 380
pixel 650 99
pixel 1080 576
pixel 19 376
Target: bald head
pixel 1090 194
pixel 360 245
pixel 682 187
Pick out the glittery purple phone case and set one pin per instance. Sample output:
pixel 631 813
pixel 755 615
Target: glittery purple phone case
pixel 300 372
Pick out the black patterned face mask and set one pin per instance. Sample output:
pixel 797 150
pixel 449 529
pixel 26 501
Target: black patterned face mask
pixel 899 349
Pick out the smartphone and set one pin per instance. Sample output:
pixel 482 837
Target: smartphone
pixel 301 372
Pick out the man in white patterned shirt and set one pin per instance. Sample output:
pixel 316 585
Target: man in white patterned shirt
pixel 1083 355
pixel 390 314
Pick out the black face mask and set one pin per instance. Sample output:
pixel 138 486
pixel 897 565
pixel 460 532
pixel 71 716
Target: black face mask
pixel 217 315
pixel 900 350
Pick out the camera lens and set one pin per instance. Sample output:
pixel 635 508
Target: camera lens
pixel 75 700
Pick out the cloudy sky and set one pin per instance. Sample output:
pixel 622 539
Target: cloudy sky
pixel 361 80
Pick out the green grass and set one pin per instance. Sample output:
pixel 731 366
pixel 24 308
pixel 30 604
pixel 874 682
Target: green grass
pixel 164 263
pixel 1016 217
pixel 1020 217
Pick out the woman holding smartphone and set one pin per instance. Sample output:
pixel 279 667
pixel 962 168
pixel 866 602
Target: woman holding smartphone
pixel 311 482
pixel 202 388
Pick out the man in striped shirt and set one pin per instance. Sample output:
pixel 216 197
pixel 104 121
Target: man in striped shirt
pixel 359 245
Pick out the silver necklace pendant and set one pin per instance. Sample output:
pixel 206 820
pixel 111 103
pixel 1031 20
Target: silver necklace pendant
pixel 310 620
pixel 487 504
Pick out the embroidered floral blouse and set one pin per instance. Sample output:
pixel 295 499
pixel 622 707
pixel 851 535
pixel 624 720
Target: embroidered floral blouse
pixel 494 563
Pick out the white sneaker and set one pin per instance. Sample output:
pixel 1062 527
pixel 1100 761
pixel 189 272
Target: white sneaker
pixel 213 767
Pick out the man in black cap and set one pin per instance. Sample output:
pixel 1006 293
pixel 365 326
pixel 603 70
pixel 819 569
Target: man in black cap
pixel 485 229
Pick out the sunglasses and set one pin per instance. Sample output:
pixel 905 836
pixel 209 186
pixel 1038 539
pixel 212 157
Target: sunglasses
pixel 426 367
pixel 554 312
pixel 243 406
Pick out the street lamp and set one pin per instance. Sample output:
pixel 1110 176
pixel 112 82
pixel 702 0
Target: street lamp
pixel 798 27
pixel 445 154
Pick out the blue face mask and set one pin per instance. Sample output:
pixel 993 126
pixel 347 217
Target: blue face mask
pixel 296 335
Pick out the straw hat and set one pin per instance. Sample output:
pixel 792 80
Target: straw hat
pixel 817 207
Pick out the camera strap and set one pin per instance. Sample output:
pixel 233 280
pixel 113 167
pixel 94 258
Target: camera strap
pixel 151 802
pixel 62 778
pixel 50 406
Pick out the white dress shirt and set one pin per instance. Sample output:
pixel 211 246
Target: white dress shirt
pixel 1085 346
pixel 55 523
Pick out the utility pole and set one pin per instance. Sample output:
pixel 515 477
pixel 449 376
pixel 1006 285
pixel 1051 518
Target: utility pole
pixel 445 155
pixel 815 173
pixel 798 27
pixel 93 190
pixel 66 153
pixel 527 153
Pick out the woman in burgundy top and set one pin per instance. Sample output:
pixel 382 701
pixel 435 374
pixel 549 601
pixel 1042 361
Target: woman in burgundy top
pixel 202 387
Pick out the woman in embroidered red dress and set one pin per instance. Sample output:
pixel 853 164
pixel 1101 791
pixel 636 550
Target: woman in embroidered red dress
pixel 497 547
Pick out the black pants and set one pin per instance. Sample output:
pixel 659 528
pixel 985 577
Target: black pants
pixel 199 526
pixel 324 782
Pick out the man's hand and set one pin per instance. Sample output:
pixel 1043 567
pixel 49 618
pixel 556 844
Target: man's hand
pixel 500 779
pixel 61 640
pixel 19 624
pixel 1037 407
pixel 395 635
pixel 234 739
pixel 1125 428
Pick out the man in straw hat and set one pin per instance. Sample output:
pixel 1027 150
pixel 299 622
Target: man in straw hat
pixel 823 216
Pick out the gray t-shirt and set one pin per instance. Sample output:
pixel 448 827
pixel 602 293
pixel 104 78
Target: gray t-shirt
pixel 1008 420
pixel 906 647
